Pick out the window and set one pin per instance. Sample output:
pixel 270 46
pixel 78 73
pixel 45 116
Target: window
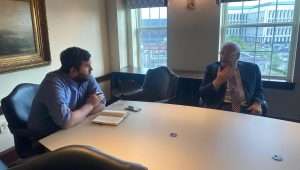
pixel 262 37
pixel 150 36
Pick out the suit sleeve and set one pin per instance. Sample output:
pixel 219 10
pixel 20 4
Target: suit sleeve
pixel 258 94
pixel 209 94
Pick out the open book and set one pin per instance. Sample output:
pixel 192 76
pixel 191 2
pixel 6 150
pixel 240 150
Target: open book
pixel 111 117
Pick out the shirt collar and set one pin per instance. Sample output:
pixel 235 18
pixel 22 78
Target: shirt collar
pixel 68 79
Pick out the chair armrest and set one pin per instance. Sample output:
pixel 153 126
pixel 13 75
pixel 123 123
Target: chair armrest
pixel 168 100
pixel 132 92
pixel 133 95
pixel 265 107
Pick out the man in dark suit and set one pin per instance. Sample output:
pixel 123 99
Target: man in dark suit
pixel 231 84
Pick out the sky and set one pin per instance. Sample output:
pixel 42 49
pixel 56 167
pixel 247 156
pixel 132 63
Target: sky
pixel 15 16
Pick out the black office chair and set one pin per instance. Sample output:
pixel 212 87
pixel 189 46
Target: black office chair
pixel 265 107
pixel 76 158
pixel 160 85
pixel 16 109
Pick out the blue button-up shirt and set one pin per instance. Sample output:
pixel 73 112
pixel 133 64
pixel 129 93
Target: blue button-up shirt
pixel 57 97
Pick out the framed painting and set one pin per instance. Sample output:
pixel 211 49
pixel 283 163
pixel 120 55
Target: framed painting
pixel 23 35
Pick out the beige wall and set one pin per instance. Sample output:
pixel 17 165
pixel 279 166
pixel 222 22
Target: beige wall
pixel 70 23
pixel 193 35
pixel 81 23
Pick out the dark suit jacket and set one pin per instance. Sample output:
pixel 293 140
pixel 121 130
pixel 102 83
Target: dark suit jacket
pixel 251 80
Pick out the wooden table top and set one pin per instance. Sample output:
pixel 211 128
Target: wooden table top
pixel 174 137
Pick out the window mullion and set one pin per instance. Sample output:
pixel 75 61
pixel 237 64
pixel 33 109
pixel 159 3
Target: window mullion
pixel 294 38
pixel 140 59
pixel 159 17
pixel 274 32
pixel 242 15
pixel 257 20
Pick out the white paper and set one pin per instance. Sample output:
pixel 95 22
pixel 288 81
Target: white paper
pixel 110 117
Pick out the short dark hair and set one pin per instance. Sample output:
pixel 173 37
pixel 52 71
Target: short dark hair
pixel 73 57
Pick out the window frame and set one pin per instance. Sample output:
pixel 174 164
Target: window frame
pixel 294 36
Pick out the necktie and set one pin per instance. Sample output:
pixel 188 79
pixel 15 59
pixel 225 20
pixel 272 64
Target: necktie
pixel 235 94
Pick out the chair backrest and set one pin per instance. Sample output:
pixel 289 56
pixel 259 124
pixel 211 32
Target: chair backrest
pixel 17 105
pixel 79 158
pixel 161 82
pixel 174 79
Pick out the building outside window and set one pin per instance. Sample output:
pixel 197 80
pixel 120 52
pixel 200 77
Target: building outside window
pixel 266 34
pixel 150 36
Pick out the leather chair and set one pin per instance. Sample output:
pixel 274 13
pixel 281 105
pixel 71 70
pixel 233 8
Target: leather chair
pixel 76 158
pixel 265 107
pixel 160 85
pixel 16 109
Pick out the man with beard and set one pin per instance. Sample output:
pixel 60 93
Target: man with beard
pixel 66 96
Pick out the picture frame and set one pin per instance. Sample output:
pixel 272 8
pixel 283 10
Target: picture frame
pixel 24 39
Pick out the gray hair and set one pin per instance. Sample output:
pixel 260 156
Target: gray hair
pixel 232 47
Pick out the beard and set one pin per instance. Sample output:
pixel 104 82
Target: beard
pixel 81 78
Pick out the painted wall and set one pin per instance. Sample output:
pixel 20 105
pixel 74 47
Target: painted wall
pixel 81 23
pixel 70 23
pixel 193 35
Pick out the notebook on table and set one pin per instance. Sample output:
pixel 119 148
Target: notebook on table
pixel 111 117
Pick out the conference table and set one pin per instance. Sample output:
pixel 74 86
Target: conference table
pixel 176 137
